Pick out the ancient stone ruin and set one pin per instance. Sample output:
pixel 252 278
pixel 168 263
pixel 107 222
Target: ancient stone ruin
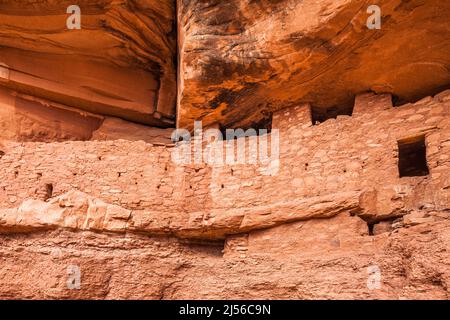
pixel 338 189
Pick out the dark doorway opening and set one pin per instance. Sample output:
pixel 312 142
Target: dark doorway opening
pixel 412 157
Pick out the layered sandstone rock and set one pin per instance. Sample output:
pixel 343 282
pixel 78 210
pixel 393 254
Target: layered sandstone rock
pixel 120 63
pixel 322 259
pixel 341 206
pixel 241 60
pixel 116 129
pixel 27 118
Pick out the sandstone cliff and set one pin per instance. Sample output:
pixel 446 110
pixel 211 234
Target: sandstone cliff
pixel 241 60
pixel 351 202
pixel 96 68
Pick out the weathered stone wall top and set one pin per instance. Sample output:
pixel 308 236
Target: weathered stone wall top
pixel 349 153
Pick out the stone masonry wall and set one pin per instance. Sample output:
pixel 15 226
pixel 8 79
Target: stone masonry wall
pixel 146 228
pixel 351 153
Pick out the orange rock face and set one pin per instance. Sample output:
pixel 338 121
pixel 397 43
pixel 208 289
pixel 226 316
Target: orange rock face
pixel 347 196
pixel 96 68
pixel 242 60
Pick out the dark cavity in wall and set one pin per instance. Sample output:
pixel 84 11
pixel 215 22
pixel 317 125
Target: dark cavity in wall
pixel 370 227
pixel 412 157
pixel 48 191
pixel 210 247
pixel 418 95
pixel 321 115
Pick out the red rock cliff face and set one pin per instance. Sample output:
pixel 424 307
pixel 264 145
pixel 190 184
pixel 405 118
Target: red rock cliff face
pixel 353 201
pixel 97 68
pixel 241 60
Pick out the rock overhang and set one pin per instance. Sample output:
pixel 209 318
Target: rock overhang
pixel 240 61
pixel 121 62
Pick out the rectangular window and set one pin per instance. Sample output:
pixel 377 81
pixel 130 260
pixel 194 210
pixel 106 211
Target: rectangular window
pixel 412 157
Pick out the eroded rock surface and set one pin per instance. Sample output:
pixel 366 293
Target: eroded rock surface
pixel 322 259
pixel 343 207
pixel 120 63
pixel 116 129
pixel 241 60
pixel 27 118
